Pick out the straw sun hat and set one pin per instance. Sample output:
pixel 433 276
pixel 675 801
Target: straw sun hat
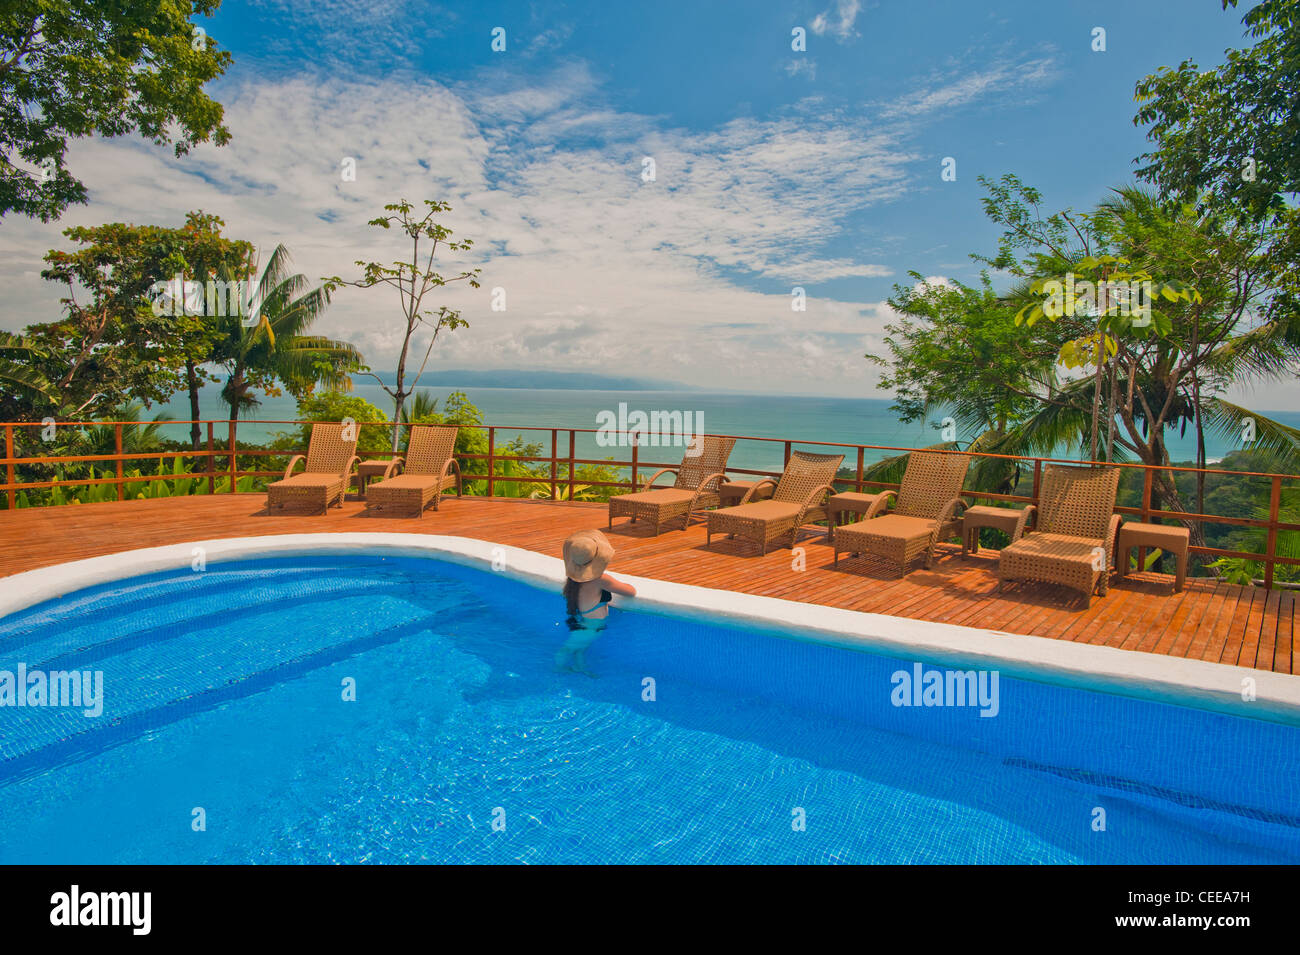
pixel 586 555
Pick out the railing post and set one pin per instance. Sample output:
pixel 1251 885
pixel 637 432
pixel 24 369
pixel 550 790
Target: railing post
pixel 555 434
pixel 10 476
pixel 787 453
pixel 573 442
pixel 211 468
pixel 231 464
pixel 1038 478
pixel 117 444
pixel 636 443
pixel 1148 479
pixel 491 461
pixel 859 484
pixel 1274 503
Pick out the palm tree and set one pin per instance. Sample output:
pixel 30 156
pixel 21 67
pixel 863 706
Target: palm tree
pixel 18 373
pixel 271 342
pixel 1224 328
pixel 139 436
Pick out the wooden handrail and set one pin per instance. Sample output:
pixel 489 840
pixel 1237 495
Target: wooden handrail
pixel 1146 511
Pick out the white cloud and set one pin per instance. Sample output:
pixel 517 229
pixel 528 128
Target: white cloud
pixel 961 89
pixel 687 277
pixel 801 66
pixel 839 21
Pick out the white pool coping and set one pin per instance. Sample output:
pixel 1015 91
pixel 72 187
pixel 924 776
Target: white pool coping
pixel 1197 683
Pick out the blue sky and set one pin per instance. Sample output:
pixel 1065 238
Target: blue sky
pixel 773 168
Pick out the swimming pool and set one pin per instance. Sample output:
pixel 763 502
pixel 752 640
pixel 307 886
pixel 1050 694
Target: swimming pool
pixel 370 708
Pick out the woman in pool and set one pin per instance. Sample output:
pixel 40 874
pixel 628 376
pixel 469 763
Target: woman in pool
pixel 587 593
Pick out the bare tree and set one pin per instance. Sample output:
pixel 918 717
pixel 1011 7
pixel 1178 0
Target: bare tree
pixel 413 280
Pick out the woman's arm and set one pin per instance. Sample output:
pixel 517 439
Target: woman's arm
pixel 617 586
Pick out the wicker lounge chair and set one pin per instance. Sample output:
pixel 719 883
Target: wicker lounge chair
pixel 327 472
pixel 798 498
pixel 1075 532
pixel 430 459
pixel 926 511
pixel 695 487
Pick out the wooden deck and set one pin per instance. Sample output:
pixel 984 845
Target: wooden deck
pixel 1208 621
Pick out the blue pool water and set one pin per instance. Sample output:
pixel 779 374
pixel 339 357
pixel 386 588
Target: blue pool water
pixel 223 692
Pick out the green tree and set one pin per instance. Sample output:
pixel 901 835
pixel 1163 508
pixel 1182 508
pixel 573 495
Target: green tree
pixel 956 350
pixel 413 280
pixel 1215 323
pixel 271 344
pixel 76 68
pixel 127 333
pixel 1229 134
pixel 335 406
pixel 22 384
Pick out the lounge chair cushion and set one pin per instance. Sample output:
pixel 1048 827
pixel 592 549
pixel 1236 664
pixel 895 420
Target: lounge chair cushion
pixel 1055 551
pixel 307 479
pixel 413 481
pixel 660 495
pixel 762 511
pixel 892 526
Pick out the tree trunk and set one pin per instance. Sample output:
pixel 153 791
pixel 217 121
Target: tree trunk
pixel 1096 393
pixel 192 381
pixel 235 389
pixel 399 395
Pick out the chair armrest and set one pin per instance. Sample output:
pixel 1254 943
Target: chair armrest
pixel 350 471
pixel 451 463
pixel 881 503
pixel 288 470
pixel 1111 534
pixel 752 493
pixel 1030 516
pixel 949 512
pixel 815 498
pixel 654 477
pixel 1022 523
pixel 393 465
pixel 816 492
pixel 703 486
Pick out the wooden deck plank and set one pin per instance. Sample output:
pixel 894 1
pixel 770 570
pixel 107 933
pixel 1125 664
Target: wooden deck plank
pixel 1210 620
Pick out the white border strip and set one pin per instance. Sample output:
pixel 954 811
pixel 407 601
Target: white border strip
pixel 1145 675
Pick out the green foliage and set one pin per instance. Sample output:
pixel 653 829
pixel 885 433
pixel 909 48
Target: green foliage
pixel 957 348
pixel 335 406
pixel 413 280
pixel 272 344
pixel 111 345
pixel 76 68
pixel 1229 134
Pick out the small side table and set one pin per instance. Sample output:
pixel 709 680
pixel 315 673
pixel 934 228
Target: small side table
pixel 731 492
pixel 368 471
pixel 1167 537
pixel 849 502
pixel 1007 520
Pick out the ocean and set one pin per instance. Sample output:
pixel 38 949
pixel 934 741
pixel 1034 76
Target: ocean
pixel 848 420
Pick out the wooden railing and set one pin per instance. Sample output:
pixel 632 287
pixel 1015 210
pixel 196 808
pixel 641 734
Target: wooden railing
pixel 210 454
